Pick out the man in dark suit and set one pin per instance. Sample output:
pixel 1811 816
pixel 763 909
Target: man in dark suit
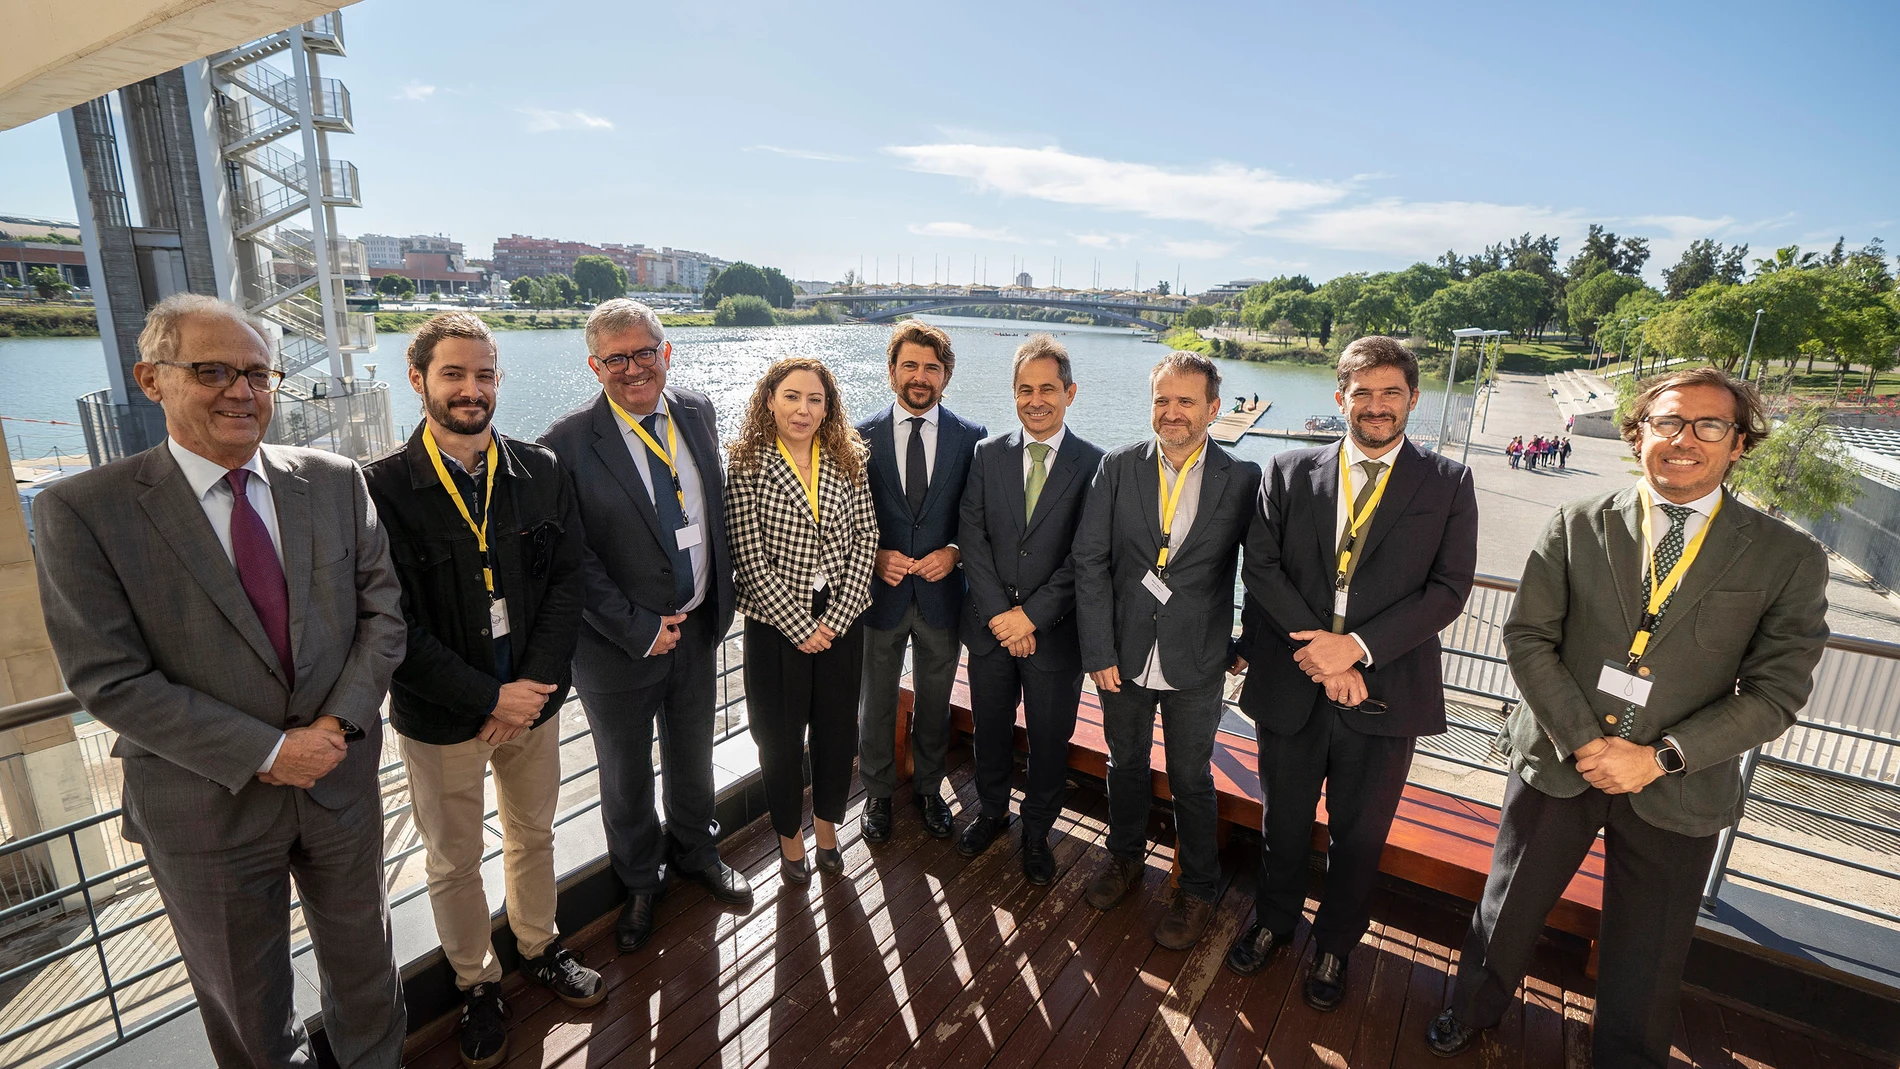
pixel 1360 553
pixel 920 456
pixel 645 463
pixel 1660 632
pixel 1020 511
pixel 230 610
pixel 1155 557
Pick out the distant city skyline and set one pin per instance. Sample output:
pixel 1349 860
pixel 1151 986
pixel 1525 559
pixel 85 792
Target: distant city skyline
pixel 1218 144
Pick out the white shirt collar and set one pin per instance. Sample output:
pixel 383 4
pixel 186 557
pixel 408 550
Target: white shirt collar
pixel 204 474
pixel 662 408
pixel 1054 443
pixel 930 416
pixel 1197 460
pixel 1357 456
pixel 1704 504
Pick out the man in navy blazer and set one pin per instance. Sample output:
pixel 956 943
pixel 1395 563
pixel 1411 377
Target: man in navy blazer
pixel 658 588
pixel 1345 600
pixel 920 456
pixel 1020 510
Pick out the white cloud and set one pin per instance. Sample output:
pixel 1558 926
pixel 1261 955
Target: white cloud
pixel 415 91
pixel 542 120
pixel 1197 250
pixel 1096 240
pixel 964 230
pixel 1223 195
pixel 803 154
pixel 1427 228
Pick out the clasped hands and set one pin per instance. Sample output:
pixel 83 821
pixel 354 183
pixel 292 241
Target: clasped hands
pixel 893 567
pixel 1016 631
pixel 1616 765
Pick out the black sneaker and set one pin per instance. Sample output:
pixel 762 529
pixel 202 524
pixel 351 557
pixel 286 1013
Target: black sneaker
pixel 558 970
pixel 484 1026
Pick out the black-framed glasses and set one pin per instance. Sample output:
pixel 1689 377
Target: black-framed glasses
pixel 1370 705
pixel 1709 430
pixel 618 362
pixel 220 376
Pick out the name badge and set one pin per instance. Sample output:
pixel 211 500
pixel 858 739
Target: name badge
pixel 1339 603
pixel 498 618
pixel 818 580
pixel 1623 684
pixel 1155 586
pixel 689 536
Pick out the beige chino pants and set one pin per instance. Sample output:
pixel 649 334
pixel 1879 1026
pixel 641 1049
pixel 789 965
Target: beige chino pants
pixel 445 785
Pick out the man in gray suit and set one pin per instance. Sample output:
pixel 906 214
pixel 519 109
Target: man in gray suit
pixel 230 610
pixel 1155 557
pixel 1660 632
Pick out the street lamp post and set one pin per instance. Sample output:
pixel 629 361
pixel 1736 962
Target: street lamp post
pixel 1637 366
pixel 1750 355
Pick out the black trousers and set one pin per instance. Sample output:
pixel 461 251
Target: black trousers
pixel 1049 699
pixel 623 722
pixel 1652 888
pixel 793 697
pixel 1364 777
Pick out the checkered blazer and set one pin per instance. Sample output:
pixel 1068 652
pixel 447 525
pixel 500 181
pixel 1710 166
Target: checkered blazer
pixel 777 548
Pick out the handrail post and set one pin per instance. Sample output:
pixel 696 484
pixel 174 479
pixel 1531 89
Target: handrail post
pixel 1718 869
pixel 98 943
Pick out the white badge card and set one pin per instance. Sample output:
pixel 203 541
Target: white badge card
pixel 689 536
pixel 1339 603
pixel 498 617
pixel 1623 684
pixel 818 580
pixel 1156 587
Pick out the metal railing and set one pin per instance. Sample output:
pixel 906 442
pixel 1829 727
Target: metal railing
pixel 139 995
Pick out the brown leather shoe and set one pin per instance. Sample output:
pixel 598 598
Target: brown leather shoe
pixel 1185 923
pixel 1120 876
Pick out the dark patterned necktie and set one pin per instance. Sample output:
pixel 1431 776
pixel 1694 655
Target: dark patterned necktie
pixel 666 502
pixel 259 570
pixel 1668 552
pixel 916 469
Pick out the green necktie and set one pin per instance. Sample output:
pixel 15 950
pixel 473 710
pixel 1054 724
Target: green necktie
pixel 1038 474
pixel 1372 468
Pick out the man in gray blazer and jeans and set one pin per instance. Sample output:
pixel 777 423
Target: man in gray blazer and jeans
pixel 230 610
pixel 1155 558
pixel 1660 632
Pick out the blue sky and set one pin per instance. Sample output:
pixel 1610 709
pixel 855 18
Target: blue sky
pixel 1218 141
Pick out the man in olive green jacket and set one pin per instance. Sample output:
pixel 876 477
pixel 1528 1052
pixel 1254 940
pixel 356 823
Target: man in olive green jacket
pixel 1640 697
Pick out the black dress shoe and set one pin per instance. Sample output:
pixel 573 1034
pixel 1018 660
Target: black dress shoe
pixel 1447 1037
pixel 1039 862
pixel 876 820
pixel 724 883
pixel 635 923
pixel 829 860
pixel 1251 951
pixel 937 819
pixel 1326 983
pixel 794 871
pixel 980 833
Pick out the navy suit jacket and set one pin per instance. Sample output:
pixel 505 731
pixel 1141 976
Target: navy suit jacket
pixel 629 577
pixel 1420 554
pixel 941 602
pixel 1005 551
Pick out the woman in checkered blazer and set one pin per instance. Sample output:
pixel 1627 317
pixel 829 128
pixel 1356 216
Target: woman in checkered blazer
pixel 804 536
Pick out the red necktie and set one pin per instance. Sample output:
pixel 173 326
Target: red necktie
pixel 260 571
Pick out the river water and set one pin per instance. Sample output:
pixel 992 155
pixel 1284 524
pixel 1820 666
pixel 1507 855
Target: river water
pixel 546 375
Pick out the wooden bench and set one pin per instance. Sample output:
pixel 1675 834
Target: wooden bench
pixel 1437 840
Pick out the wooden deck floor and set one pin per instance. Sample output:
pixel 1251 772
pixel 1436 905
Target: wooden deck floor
pixel 916 957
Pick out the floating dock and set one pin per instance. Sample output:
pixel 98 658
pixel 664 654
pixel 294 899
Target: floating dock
pixel 1298 436
pixel 1227 430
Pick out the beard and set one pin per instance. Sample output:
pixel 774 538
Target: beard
pixel 1368 438
pixel 920 396
pixel 449 417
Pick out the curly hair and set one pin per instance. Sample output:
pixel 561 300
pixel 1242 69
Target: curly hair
pixel 839 441
pixel 1751 412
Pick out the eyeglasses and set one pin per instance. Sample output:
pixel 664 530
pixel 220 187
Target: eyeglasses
pixel 1370 705
pixel 220 376
pixel 617 362
pixel 1709 430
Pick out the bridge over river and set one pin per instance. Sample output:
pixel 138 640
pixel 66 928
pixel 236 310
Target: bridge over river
pixel 885 307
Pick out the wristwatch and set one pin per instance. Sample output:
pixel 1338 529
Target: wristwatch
pixel 1669 758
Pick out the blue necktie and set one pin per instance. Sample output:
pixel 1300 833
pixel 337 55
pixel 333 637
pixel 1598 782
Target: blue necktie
pixel 666 501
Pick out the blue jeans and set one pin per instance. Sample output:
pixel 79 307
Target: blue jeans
pixel 1189 719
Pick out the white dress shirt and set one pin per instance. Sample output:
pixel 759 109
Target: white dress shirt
pixel 214 496
pixel 1054 443
pixel 690 482
pixel 901 437
pixel 1186 507
pixel 1357 456
pixel 1702 508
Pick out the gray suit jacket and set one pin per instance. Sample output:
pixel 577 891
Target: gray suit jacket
pixel 1732 663
pixel 156 637
pixel 1116 545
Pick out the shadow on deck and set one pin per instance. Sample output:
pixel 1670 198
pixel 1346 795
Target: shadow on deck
pixel 917 957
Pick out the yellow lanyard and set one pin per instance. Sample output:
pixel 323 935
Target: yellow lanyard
pixel 672 445
pixel 1659 592
pixel 461 506
pixel 811 488
pixel 1356 519
pixel 1171 497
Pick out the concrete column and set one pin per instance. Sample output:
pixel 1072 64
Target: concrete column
pixel 43 781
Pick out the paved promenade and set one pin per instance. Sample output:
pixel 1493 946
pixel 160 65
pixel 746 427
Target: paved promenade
pixel 1513 506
